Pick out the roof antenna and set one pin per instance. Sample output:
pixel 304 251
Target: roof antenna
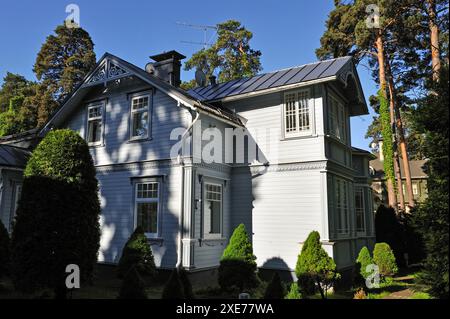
pixel 205 43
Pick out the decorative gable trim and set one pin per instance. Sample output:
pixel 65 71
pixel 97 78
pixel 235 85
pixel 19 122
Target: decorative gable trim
pixel 108 70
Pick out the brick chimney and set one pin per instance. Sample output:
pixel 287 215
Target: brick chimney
pixel 167 67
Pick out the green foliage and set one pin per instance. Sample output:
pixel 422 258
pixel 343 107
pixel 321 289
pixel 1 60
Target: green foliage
pixel 5 253
pixel 432 119
pixel 294 292
pixel 314 267
pixel 364 259
pixel 57 221
pixel 386 133
pixel 173 288
pixel 384 258
pixel 275 289
pixel 61 64
pixel 132 286
pixel 231 55
pixel 186 283
pixel 389 229
pixel 137 254
pixel 238 264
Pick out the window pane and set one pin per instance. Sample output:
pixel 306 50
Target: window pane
pixel 147 190
pixel 290 113
pixel 95 111
pixel 94 131
pixel 303 111
pixel 147 217
pixel 359 209
pixel 140 103
pixel 140 124
pixel 215 217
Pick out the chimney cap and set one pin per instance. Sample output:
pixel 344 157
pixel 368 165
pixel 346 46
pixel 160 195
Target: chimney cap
pixel 167 55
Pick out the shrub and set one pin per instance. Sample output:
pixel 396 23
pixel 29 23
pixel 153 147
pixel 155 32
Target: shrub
pixel 275 289
pixel 364 259
pixel 186 283
pixel 384 258
pixel 132 286
pixel 57 221
pixel 360 294
pixel 238 264
pixel 314 267
pixel 173 288
pixel 294 292
pixel 137 253
pixel 4 251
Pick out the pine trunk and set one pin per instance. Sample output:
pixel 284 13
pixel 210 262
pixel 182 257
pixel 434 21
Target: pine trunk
pixel 434 39
pixel 382 75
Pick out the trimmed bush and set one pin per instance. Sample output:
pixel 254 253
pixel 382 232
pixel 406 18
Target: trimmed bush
pixel 315 269
pixel 137 253
pixel 294 292
pixel 238 264
pixel 173 288
pixel 5 252
pixel 186 283
pixel 133 286
pixel 275 289
pixel 364 259
pixel 57 221
pixel 384 258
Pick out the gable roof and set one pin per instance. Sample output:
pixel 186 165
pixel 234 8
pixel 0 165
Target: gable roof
pixel 12 156
pixel 417 168
pixel 321 71
pixel 103 73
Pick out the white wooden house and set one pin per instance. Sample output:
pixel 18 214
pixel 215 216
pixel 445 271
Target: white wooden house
pixel 299 171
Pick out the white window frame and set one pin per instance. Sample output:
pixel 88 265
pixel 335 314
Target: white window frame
pixel 205 234
pixel 415 189
pixel 156 200
pixel 361 210
pixel 342 205
pixel 141 110
pixel 299 131
pixel 337 118
pixel 93 105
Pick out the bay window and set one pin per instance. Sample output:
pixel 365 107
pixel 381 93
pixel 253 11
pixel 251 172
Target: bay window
pixel 337 119
pixel 359 209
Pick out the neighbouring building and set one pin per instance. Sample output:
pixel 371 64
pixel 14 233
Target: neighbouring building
pixel 285 167
pixel 418 178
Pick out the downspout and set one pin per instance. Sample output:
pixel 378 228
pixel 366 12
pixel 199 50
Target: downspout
pixel 181 219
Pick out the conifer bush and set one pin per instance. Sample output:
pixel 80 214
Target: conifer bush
pixel 133 286
pixel 315 269
pixel 238 263
pixel 5 253
pixel 364 259
pixel 173 288
pixel 384 258
pixel 137 253
pixel 57 220
pixel 275 289
pixel 294 292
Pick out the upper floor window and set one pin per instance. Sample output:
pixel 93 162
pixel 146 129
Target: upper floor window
pixel 140 106
pixel 337 119
pixel 95 123
pixel 147 202
pixel 212 213
pixel 342 207
pixel 297 113
pixel 359 209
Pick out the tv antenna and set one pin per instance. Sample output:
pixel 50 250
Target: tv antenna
pixel 205 43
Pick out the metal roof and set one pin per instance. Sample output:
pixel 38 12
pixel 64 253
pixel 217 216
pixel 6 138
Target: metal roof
pixel 303 73
pixel 12 156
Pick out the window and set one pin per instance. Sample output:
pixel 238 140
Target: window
pixel 341 201
pixel 359 209
pixel 212 216
pixel 297 114
pixel 337 119
pixel 415 189
pixel 147 207
pixel 95 123
pixel 140 117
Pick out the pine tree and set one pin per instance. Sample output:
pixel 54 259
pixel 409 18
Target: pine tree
pixel 61 64
pixel 231 55
pixel 173 288
pixel 132 286
pixel 275 289
pixel 314 267
pixel 238 263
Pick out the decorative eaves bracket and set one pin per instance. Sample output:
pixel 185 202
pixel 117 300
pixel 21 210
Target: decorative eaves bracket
pixel 108 70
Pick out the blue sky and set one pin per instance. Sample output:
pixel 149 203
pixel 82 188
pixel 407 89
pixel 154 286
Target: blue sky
pixel 286 32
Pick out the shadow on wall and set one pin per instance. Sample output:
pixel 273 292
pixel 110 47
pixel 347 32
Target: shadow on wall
pixel 276 264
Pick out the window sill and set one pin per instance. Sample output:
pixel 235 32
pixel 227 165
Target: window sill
pixel 139 140
pixel 218 240
pixel 90 145
pixel 155 240
pixel 298 137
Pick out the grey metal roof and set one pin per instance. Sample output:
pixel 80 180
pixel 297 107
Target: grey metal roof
pixel 298 74
pixel 12 156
